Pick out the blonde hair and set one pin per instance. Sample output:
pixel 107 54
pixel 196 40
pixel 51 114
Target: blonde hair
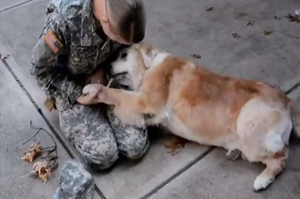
pixel 127 19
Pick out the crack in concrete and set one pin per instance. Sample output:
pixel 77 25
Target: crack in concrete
pixel 297 84
pixel 14 6
pixel 99 192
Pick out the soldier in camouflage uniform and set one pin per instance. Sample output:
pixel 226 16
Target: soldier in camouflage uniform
pixel 78 38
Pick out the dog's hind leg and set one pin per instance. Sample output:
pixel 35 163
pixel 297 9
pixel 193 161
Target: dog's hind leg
pixel 275 152
pixel 274 166
pixel 264 135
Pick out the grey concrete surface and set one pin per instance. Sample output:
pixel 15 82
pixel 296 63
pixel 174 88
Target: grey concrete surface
pixel 131 180
pixel 6 4
pixel 215 177
pixel 186 27
pixel 16 111
pixel 295 95
pixel 183 28
pixel 96 196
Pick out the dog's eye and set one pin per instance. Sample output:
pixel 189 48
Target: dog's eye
pixel 123 55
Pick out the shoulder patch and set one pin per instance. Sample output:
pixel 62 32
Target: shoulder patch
pixel 54 44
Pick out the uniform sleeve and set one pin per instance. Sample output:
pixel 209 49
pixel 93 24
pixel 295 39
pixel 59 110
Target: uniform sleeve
pixel 44 66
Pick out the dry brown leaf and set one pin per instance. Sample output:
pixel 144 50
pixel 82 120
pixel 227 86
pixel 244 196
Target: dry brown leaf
pixel 250 23
pixel 42 169
pixel 276 17
pixel 197 56
pixel 3 56
pixel 235 35
pixel 293 18
pixel 175 144
pixel 268 32
pixel 209 8
pixel 49 104
pixel 34 151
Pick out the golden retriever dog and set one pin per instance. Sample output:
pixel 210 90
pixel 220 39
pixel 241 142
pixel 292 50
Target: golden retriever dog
pixel 236 114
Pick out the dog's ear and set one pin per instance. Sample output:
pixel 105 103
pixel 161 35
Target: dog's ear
pixel 147 57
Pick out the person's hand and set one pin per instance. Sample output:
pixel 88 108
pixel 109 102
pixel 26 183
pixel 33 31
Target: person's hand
pixel 90 96
pixel 88 99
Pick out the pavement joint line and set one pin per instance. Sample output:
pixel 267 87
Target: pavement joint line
pixel 292 88
pixel 15 6
pixel 167 181
pixel 98 191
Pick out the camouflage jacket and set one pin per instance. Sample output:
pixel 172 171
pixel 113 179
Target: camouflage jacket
pixel 70 47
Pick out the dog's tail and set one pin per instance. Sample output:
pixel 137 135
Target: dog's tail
pixel 295 115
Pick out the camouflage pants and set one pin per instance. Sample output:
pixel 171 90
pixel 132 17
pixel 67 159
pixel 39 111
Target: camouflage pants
pixel 99 135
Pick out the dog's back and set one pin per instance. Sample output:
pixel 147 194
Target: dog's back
pixel 206 103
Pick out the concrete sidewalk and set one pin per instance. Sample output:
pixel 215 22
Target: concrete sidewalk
pixel 242 38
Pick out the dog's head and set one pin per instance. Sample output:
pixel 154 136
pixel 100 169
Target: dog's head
pixel 133 61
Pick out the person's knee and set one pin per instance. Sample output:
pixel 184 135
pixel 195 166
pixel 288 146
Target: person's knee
pixel 135 146
pixel 91 134
pixel 99 156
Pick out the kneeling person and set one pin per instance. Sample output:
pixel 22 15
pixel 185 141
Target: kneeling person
pixel 77 38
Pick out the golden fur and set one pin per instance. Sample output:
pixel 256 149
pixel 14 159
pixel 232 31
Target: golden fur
pixel 205 107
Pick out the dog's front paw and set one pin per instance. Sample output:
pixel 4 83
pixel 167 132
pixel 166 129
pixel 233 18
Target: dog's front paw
pixel 91 89
pixel 262 182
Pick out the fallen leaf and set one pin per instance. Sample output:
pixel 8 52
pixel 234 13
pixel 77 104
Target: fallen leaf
pixel 250 23
pixel 268 32
pixel 3 56
pixel 197 56
pixel 34 151
pixel 42 169
pixel 235 35
pixel 49 104
pixel 278 18
pixel 293 18
pixel 209 8
pixel 175 144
